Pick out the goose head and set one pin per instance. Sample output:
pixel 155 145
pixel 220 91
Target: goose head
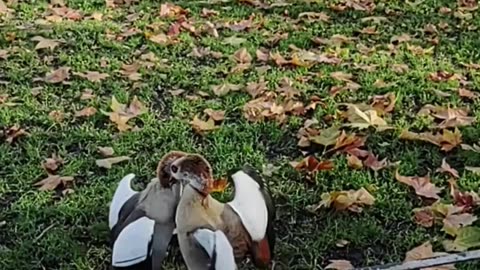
pixel 193 170
pixel 163 168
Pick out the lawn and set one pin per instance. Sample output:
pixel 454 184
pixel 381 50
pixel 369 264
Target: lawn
pixel 265 83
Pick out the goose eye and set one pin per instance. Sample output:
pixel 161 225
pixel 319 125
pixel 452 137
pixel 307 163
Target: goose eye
pixel 174 168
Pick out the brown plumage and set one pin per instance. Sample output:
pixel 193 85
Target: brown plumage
pixel 197 209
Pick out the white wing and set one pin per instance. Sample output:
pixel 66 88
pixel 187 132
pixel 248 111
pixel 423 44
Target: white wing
pixel 121 195
pixel 250 205
pixel 217 242
pixel 131 245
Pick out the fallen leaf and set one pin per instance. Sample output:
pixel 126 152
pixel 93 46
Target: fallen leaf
pixel 473 169
pixel 242 56
pixel 92 76
pixel 209 12
pixel 352 200
pixel 452 117
pixel 467 94
pixel 312 165
pixel 52 182
pixel 56 116
pixel 160 38
pixel 363 120
pixel 14 132
pixel 108 162
pixel 346 143
pixel 131 71
pixel 400 68
pixel 424 216
pixel 327 136
pixel 4 9
pixel 234 41
pixel 373 163
pixel 200 126
pixel 87 94
pixel 57 76
pixel 445 168
pixel 225 88
pixel 446 140
pixel 468 200
pixel 215 115
pixel 339 265
pixel 50 165
pixel 400 39
pixel 341 76
pixel 315 16
pixel 121 114
pixel 256 88
pixel 219 185
pixel 425 251
pixel 354 162
pixel 86 112
pixel 44 43
pixel 467 237
pixel 384 103
pixel 422 185
pixel 171 10
pixel 106 151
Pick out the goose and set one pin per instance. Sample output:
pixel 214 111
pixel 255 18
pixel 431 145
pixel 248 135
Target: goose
pixel 246 221
pixel 143 223
pixel 217 247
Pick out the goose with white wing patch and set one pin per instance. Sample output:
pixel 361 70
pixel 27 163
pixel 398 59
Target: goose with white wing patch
pixel 247 220
pixel 143 223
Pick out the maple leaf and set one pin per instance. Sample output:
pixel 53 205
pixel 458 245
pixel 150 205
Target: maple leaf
pixel 106 151
pixel 468 200
pixel 160 38
pixel 242 56
pixel 171 10
pixel 312 165
pixel 52 182
pixel 50 165
pixel 327 136
pixel 14 132
pixel 445 168
pixel 200 126
pixel 453 118
pixel 44 43
pixel 467 237
pixel 131 71
pixel 315 16
pixel 340 265
pixel 448 140
pixel 219 185
pixel 467 94
pixel 421 185
pixel 215 115
pixel 354 162
pixel 86 112
pixel 346 143
pixel 362 120
pixel 400 68
pixel 425 251
pixel 225 88
pixel 256 88
pixel 57 76
pixel 352 200
pixel 384 103
pixel 121 114
pixel 373 163
pixel 108 162
pixel 92 76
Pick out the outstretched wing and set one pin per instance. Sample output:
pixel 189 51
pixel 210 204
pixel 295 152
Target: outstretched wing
pixel 132 246
pixel 121 195
pixel 218 248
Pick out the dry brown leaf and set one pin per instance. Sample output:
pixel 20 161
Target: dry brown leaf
pixel 50 165
pixel 373 163
pixel 14 132
pixel 446 140
pixel 341 76
pixel 215 114
pixel 256 88
pixel 452 117
pixel 56 116
pixel 169 10
pixel 362 120
pixel 352 200
pixel 314 16
pixel 92 76
pixel 200 126
pixel 44 43
pixel 121 114
pixel 468 200
pixel 87 94
pixel 467 94
pixel 131 71
pixel 4 9
pixel 400 68
pixel 384 103
pixel 52 182
pixel 57 76
pixel 242 56
pixel 340 265
pixel 400 39
pixel 422 185
pixel 86 112
pixel 445 168
pixel 312 165
pixel 160 38
pixel 354 162
pixel 425 251
pixel 225 88
pixel 106 151
pixel 108 162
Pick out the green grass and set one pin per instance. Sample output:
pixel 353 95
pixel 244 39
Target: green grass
pixel 41 231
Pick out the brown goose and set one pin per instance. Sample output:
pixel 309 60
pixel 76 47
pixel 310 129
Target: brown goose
pixel 142 223
pixel 247 220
